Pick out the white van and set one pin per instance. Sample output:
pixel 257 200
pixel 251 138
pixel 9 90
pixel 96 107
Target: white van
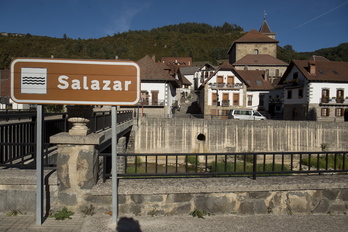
pixel 243 114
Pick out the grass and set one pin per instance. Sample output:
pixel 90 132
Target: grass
pixel 239 167
pixel 330 160
pixel 191 159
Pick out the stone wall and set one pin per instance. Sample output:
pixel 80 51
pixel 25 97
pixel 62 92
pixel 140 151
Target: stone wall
pixel 324 194
pixel 242 196
pixel 218 135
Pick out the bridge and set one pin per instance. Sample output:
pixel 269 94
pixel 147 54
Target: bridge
pixel 18 141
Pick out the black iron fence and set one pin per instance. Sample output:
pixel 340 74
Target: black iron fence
pixel 18 138
pixel 228 164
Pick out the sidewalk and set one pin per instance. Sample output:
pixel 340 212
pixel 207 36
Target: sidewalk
pixel 220 223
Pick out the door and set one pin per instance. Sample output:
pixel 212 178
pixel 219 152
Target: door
pixel 154 98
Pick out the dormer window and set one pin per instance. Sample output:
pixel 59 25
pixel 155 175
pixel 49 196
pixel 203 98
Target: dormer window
pixel 295 75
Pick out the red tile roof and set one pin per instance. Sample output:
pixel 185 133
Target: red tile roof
pixel 265 28
pixel 255 79
pixel 259 59
pixel 254 36
pixel 151 70
pixel 325 71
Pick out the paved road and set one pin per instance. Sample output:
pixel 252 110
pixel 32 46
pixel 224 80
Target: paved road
pixel 218 223
pixel 228 223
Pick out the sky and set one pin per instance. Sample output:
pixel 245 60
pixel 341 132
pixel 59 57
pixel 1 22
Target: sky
pixel 307 25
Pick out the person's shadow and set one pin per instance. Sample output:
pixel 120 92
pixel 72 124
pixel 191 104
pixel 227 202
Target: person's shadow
pixel 128 225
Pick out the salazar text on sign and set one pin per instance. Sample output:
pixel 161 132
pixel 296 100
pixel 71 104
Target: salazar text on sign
pixel 56 81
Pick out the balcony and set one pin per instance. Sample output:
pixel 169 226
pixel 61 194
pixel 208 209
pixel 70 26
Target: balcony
pixel 325 100
pixel 225 86
pixel 333 100
pixel 159 102
pixel 225 103
pixel 340 100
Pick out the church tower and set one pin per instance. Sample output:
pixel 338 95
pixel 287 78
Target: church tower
pixel 264 29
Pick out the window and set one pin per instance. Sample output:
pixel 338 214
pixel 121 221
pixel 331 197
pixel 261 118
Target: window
pixel 256 51
pixel 339 96
pixel 325 112
pixel 154 97
pixel 250 100
pixel 220 79
pixel 325 93
pixel 289 94
pixel 277 72
pixel 339 112
pixel 214 98
pixel 300 93
pixel 230 80
pixel 236 99
pixel 295 75
pixel 145 97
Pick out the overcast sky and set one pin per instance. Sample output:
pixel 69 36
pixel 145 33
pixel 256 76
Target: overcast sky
pixel 306 25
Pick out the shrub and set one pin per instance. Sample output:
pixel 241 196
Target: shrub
pixel 191 159
pixel 330 160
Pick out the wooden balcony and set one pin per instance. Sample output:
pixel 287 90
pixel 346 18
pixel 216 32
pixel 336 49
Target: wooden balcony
pixel 224 86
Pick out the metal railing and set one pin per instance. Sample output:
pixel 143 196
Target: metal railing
pixel 228 164
pixel 17 139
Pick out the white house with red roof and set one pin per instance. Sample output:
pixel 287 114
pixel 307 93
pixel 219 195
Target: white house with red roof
pixel 158 88
pixel 227 88
pixel 315 89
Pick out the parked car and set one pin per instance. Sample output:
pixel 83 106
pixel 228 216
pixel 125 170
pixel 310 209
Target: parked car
pixel 244 114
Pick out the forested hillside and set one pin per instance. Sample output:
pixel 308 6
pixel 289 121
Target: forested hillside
pixel 202 42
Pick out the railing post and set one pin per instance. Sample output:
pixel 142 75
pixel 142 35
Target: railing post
pixel 254 166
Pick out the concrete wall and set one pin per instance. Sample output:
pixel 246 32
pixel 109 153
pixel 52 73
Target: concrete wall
pixel 18 190
pixel 182 136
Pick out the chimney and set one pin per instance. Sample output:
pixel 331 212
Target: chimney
pixel 311 67
pixel 153 58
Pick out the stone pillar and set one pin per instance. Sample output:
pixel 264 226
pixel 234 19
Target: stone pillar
pixel 121 148
pixel 77 167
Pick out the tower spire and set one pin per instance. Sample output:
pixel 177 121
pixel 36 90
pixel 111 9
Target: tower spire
pixel 265 28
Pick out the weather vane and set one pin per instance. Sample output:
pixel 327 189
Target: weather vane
pixel 264 15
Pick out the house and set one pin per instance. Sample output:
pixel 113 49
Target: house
pixel 185 89
pixel 202 74
pixel 220 90
pixel 176 64
pixel 188 73
pixel 258 89
pixel 315 89
pixel 158 88
pixel 228 88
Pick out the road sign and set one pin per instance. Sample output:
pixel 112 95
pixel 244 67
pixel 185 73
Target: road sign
pixel 85 82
